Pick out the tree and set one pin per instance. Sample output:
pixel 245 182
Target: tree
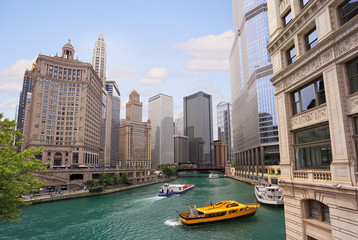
pixel 124 179
pixel 106 179
pixel 90 182
pixel 17 171
pixel 169 172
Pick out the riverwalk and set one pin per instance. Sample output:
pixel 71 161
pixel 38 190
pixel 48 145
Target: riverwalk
pixel 72 194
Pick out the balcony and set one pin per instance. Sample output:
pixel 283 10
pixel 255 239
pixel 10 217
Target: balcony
pixel 312 176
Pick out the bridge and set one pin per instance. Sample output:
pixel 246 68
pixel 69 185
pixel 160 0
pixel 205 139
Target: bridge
pixel 201 169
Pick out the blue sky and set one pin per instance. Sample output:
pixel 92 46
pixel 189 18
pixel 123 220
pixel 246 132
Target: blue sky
pixel 174 47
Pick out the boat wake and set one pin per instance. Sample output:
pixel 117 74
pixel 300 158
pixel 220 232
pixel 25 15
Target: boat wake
pixel 172 223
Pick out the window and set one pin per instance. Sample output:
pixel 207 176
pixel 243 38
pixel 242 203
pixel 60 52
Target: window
pixel 304 2
pixel 287 18
pixel 353 74
pixel 313 148
pixel 291 55
pixel 311 39
pixel 348 10
pixel 318 211
pixel 309 96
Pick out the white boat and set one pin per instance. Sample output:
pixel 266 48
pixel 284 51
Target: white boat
pixel 213 175
pixel 269 194
pixel 168 189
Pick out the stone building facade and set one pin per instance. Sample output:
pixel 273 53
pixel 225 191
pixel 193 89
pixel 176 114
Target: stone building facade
pixel 314 48
pixel 135 136
pixel 65 110
pixel 220 152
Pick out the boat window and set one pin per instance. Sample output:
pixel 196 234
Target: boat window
pixel 218 214
pixel 232 211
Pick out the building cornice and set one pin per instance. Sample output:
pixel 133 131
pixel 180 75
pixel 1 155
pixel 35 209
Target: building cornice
pixel 333 48
pixel 295 25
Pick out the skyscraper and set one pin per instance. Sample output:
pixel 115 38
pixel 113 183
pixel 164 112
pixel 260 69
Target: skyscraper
pixel 113 91
pixel 198 126
pixel 99 58
pixel 179 125
pixel 134 143
pixel 254 117
pixel 26 88
pixel 160 113
pixel 224 126
pixel 65 110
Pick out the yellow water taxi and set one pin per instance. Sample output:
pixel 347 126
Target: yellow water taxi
pixel 223 210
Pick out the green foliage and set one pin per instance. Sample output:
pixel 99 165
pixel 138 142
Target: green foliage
pixel 124 179
pixel 17 171
pixel 96 189
pixel 90 182
pixel 233 163
pixel 162 166
pixel 169 172
pixel 106 179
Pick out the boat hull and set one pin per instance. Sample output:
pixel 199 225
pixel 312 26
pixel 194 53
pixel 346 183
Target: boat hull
pixel 177 189
pixel 184 217
pixel 275 202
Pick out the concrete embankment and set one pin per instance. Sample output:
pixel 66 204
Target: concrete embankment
pixel 85 193
pixel 245 180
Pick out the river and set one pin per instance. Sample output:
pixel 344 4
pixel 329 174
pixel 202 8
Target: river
pixel 141 214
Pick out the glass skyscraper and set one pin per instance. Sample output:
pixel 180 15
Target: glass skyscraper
pixel 224 126
pixel 160 113
pixel 254 116
pixel 198 126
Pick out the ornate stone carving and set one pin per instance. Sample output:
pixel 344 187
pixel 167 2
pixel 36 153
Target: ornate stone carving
pixel 353 104
pixel 311 117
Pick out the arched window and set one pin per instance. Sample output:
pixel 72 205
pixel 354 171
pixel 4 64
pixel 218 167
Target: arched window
pixel 317 210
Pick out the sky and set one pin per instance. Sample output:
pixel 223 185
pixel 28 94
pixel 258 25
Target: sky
pixel 174 47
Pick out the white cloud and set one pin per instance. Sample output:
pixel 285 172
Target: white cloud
pixel 208 53
pixel 147 91
pixel 154 76
pixel 122 74
pixel 11 78
pixel 9 104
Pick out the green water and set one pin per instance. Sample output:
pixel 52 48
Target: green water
pixel 141 214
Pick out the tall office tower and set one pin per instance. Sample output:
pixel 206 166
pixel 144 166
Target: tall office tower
pixel 134 108
pixel 220 151
pixel 160 113
pixel 254 117
pixel 65 110
pixel 179 125
pixel 113 90
pixel 198 126
pixel 26 88
pixel 181 149
pixel 26 126
pixel 314 50
pixel 99 58
pixel 224 126
pixel 134 143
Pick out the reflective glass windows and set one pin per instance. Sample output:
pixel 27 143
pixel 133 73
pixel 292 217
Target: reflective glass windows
pixel 348 10
pixel 291 55
pixel 309 96
pixel 313 148
pixel 287 18
pixel 304 2
pixel 311 39
pixel 318 211
pixel 353 74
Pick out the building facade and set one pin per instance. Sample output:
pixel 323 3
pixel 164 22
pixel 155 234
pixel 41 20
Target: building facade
pixel 135 136
pixel 99 58
pixel 181 149
pixel 254 117
pixel 65 110
pixel 224 126
pixel 220 150
pixel 179 125
pixel 198 126
pixel 26 89
pixel 160 113
pixel 314 48
pixel 113 91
